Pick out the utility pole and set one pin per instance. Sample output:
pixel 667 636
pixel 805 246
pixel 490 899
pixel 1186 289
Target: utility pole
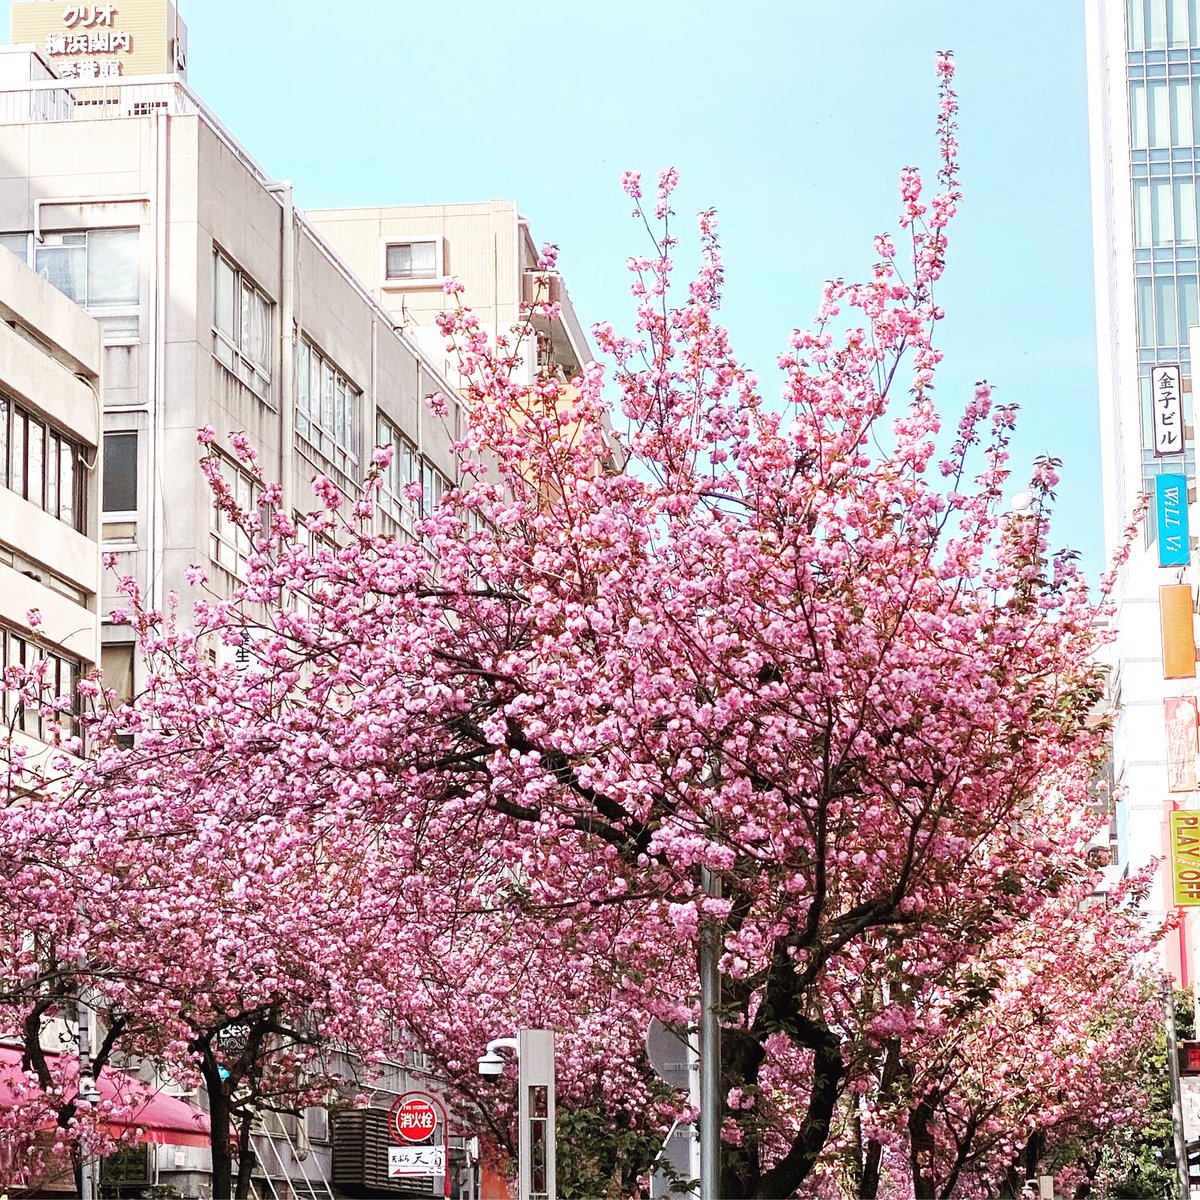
pixel 88 1094
pixel 1181 1163
pixel 710 1047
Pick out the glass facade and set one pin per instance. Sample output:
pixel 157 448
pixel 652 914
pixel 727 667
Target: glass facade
pixel 1163 84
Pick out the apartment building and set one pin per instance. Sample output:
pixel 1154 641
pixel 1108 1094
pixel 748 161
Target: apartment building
pixel 192 294
pixel 405 253
pixel 50 482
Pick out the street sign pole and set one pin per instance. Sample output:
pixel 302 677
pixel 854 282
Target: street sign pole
pixel 1181 1162
pixel 710 1049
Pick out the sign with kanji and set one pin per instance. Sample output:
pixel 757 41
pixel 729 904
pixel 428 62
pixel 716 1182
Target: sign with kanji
pixel 1166 403
pixel 416 1161
pixel 1182 721
pixel 413 1119
pixel 104 42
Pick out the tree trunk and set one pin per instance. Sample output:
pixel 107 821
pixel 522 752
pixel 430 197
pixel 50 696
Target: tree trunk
pixel 873 1160
pixel 245 1154
pixel 219 1126
pixel 920 1140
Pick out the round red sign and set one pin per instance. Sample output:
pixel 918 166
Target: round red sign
pixel 413 1119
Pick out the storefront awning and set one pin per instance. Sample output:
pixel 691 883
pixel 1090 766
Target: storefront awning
pixel 153 1117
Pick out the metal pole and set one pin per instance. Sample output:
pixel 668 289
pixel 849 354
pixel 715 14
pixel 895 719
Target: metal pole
pixel 710 1049
pixel 1181 1163
pixel 86 1189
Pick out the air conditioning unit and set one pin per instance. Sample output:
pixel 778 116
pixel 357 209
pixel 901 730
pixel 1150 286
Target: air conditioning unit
pixel 541 287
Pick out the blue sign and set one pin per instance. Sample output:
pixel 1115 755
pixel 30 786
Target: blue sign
pixel 1171 504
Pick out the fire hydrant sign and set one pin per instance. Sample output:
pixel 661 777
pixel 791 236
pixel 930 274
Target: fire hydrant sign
pixel 413 1119
pixel 409 1161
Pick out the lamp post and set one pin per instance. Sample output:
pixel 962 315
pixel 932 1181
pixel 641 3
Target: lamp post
pixel 536 1179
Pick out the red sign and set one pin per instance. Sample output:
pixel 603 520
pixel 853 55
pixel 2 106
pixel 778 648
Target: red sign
pixel 412 1119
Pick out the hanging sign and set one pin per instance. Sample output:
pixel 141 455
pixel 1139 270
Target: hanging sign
pixel 416 1161
pixel 1174 536
pixel 1182 721
pixel 1166 401
pixel 1185 857
pixel 1178 637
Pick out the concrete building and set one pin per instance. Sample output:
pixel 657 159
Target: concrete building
pixel 50 475
pixel 1144 101
pixel 212 301
pixel 405 253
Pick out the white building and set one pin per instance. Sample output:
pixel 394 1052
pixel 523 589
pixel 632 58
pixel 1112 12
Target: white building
pixel 1144 100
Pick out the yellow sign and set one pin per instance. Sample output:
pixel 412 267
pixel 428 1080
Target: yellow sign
pixel 1185 857
pixel 102 41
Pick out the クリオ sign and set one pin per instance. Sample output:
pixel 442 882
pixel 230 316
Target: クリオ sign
pixel 1166 402
pixel 1185 857
pixel 103 42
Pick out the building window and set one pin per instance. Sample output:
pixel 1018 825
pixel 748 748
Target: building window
pixel 116 667
pixel 120 473
pixel 327 406
pixel 403 470
pixel 40 464
pixel 97 268
pixel 241 326
pixel 230 544
pixel 60 675
pixel 411 260
pixel 433 487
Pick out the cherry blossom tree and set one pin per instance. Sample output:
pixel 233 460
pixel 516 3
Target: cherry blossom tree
pixel 674 657
pixel 1024 1060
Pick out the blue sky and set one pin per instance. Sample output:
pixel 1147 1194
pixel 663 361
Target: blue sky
pixel 791 117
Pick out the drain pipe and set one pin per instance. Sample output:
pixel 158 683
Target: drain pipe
pixel 287 345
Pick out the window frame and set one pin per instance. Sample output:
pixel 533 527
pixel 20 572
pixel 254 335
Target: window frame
pixel 32 649
pixel 434 279
pixel 338 403
pixel 228 345
pixel 108 314
pixel 55 445
pixel 229 546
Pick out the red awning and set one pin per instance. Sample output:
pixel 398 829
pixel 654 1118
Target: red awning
pixel 155 1116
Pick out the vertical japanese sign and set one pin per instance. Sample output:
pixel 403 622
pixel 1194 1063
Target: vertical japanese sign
pixel 1178 637
pixel 1182 721
pixel 1185 857
pixel 1171 505
pixel 1166 400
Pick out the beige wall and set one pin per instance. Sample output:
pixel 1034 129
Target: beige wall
pixel 486 246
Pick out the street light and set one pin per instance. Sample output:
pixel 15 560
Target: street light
pixel 491 1062
pixel 535 1107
